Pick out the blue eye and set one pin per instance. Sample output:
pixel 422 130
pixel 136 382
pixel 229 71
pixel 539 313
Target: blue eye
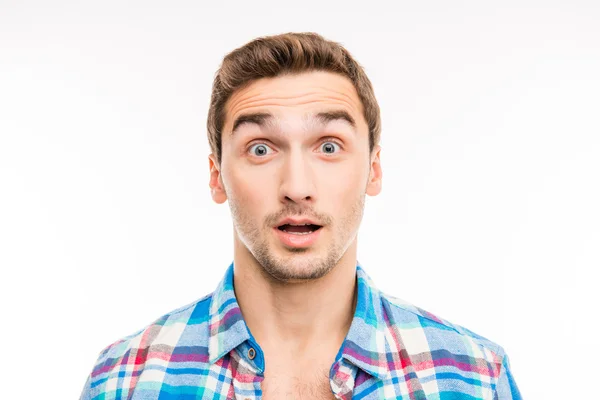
pixel 263 152
pixel 330 149
pixel 329 142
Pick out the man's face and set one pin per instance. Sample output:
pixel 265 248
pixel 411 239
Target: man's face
pixel 283 161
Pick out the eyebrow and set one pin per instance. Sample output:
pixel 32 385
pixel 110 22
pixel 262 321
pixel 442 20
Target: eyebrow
pixel 267 120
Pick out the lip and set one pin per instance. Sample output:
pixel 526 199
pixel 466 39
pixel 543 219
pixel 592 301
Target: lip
pixel 298 241
pixel 296 221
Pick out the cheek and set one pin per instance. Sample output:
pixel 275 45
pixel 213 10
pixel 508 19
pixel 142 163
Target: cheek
pixel 253 190
pixel 342 195
pixel 347 183
pixel 350 192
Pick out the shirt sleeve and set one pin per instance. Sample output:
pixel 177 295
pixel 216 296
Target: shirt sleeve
pixel 506 388
pixel 85 394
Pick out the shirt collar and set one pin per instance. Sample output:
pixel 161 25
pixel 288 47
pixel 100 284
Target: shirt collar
pixel 365 346
pixel 227 328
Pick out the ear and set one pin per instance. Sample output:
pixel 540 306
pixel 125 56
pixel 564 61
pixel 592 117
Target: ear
pixel 217 191
pixel 375 174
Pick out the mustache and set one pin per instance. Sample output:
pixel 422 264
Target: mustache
pixel 300 214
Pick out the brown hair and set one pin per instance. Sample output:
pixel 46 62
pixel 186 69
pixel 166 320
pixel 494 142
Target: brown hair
pixel 287 53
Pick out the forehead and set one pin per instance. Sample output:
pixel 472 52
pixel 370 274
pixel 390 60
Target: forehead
pixel 295 96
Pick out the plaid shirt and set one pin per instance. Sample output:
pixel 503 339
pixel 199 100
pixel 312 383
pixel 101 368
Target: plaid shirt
pixel 393 350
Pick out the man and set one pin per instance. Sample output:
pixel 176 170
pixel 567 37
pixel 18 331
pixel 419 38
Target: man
pixel 294 128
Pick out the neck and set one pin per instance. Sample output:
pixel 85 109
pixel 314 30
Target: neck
pixel 297 315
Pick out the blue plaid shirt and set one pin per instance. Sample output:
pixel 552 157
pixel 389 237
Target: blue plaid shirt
pixel 393 350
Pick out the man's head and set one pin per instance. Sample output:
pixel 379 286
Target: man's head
pixel 294 129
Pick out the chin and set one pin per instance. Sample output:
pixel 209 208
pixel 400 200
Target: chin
pixel 299 267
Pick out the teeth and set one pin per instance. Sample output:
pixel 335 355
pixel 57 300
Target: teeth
pixel 298 233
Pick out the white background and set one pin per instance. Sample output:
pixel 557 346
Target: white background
pixel 489 212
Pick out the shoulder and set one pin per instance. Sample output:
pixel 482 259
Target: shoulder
pixel 425 332
pixel 159 340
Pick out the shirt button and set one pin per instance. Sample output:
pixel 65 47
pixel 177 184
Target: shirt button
pixel 251 353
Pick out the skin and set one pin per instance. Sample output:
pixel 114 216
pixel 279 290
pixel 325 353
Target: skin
pixel 298 303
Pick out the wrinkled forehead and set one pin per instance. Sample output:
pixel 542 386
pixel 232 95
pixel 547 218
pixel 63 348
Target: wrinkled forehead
pixel 296 99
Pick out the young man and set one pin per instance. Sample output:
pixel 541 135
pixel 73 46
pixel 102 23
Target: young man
pixel 294 128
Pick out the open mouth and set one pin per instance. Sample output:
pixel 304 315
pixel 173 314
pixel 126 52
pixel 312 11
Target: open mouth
pixel 299 229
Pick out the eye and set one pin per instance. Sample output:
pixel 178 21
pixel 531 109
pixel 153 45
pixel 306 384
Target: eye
pixel 328 146
pixel 262 149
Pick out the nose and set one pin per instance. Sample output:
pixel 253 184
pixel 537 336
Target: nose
pixel 298 180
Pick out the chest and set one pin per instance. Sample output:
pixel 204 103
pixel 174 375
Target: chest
pixel 306 386
pixel 298 378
